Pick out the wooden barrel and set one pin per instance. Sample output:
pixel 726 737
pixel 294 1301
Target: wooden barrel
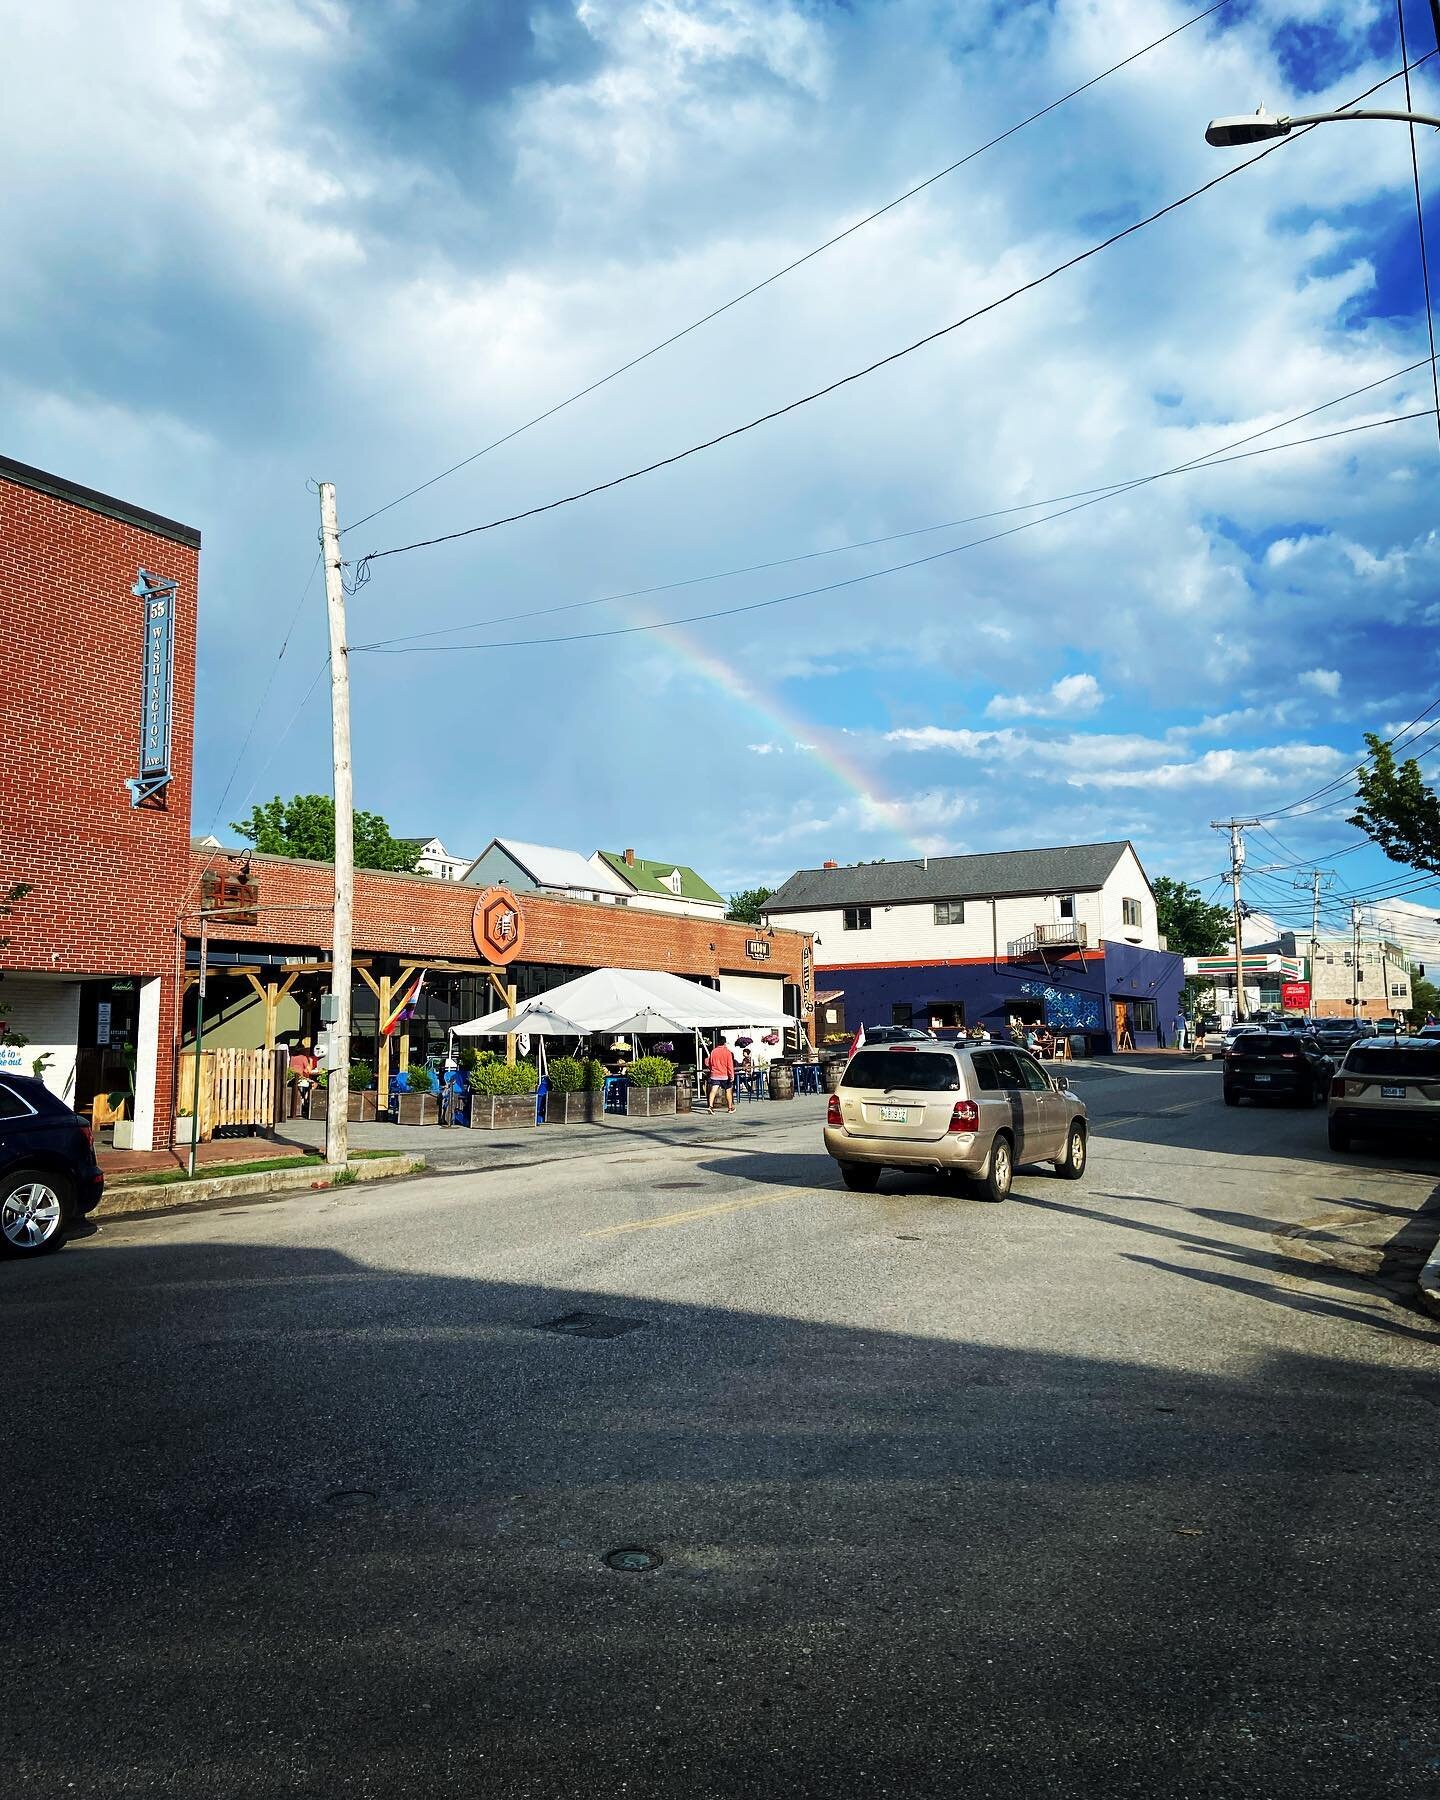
pixel 830 1073
pixel 782 1081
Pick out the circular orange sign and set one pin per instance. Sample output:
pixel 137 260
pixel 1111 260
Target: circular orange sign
pixel 499 925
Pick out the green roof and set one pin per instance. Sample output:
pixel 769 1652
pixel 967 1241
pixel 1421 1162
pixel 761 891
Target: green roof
pixel 651 877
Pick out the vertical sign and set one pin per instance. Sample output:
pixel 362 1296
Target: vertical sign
pixel 158 598
pixel 807 981
pixel 102 1023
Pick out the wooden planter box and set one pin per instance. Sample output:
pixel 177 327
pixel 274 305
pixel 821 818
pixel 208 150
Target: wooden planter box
pixel 652 1103
pixel 362 1104
pixel 503 1112
pixel 574 1109
pixel 418 1109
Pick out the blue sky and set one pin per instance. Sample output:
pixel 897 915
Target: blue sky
pixel 260 244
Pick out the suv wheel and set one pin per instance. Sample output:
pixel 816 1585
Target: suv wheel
pixel 33 1209
pixel 860 1176
pixel 1339 1135
pixel 1000 1171
pixel 1072 1164
pixel 1231 1097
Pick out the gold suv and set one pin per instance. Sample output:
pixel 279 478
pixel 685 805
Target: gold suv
pixel 974 1110
pixel 1386 1087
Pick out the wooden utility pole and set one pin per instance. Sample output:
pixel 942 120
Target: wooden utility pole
pixel 337 1092
pixel 1236 828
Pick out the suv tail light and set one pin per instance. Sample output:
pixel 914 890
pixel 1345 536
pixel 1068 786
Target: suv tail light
pixel 966 1116
pixel 832 1111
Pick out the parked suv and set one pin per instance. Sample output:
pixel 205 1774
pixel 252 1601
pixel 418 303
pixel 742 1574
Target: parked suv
pixel 973 1110
pixel 48 1173
pixel 1385 1088
pixel 1276 1065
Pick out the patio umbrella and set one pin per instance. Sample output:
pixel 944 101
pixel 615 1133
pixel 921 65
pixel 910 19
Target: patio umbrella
pixel 534 1019
pixel 647 1021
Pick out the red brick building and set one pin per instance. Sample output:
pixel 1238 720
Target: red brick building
pixel 99 599
pixel 92 954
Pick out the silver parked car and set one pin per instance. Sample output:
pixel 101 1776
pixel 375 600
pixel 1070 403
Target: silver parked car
pixel 974 1110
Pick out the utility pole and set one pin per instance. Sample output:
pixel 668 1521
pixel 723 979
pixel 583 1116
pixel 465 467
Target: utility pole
pixel 1317 878
pixel 1236 828
pixel 1355 963
pixel 337 1088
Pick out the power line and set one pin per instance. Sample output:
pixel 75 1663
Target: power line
pixel 1398 741
pixel 1106 489
pixel 1420 214
pixel 790 267
pixel 1116 237
pixel 390 647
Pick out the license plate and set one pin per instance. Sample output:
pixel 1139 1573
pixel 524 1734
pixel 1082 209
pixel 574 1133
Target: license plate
pixel 1264 1078
pixel 1392 1093
pixel 895 1114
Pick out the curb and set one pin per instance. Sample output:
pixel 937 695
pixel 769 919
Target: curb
pixel 124 1202
pixel 1430 1283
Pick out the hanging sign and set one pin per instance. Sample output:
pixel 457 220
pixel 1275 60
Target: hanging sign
pixel 228 898
pixel 156 684
pixel 498 925
pixel 807 980
pixel 757 949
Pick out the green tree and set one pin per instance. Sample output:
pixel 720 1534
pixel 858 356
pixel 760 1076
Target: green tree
pixel 305 826
pixel 1397 810
pixel 1424 995
pixel 9 899
pixel 745 906
pixel 1190 925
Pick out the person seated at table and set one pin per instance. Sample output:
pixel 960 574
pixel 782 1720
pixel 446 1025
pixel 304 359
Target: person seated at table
pixel 1044 1042
pixel 746 1065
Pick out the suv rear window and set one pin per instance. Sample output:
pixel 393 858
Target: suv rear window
pixel 929 1071
pixel 1260 1043
pixel 1393 1059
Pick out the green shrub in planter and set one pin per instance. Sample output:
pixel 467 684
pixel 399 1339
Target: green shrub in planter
pixel 499 1078
pixel 594 1075
pixel 651 1072
pixel 362 1076
pixel 567 1075
pixel 419 1079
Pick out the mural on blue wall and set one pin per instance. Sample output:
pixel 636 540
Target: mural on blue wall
pixel 1066 1008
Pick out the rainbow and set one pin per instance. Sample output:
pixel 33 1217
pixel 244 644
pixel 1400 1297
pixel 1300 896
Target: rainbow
pixel 778 719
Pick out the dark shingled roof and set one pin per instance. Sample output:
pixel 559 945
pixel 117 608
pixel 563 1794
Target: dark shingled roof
pixel 1069 869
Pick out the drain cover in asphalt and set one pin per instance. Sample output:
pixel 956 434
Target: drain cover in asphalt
pixel 633 1560
pixel 593 1325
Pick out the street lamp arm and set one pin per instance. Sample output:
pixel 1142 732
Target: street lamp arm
pixel 1405 118
pixel 1259 127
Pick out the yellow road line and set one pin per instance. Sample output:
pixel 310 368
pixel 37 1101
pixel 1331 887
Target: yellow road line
pixel 693 1214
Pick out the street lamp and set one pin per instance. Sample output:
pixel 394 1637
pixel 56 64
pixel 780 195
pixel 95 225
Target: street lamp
pixel 1257 127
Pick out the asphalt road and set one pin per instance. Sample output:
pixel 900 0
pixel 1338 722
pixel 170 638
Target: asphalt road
pixel 1105 1491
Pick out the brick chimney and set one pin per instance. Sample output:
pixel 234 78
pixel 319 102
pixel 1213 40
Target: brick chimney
pixel 629 859
pixel 830 865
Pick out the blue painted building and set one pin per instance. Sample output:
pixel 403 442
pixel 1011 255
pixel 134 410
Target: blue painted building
pixel 1065 937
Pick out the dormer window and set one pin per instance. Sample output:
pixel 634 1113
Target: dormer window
pixel 672 881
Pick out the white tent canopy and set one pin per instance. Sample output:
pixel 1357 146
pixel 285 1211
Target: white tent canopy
pixel 608 998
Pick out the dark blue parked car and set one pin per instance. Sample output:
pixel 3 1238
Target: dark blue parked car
pixel 48 1174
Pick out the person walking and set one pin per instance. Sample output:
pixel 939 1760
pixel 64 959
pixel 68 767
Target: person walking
pixel 721 1066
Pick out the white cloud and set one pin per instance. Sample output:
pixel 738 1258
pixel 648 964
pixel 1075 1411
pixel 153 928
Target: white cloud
pixel 1323 681
pixel 1069 697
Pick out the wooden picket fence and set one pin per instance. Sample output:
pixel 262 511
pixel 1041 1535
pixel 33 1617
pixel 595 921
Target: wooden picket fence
pixel 237 1087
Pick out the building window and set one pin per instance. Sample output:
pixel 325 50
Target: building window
pixel 857 918
pixel 1066 906
pixel 949 912
pixel 901 1014
pixel 1397 992
pixel 946 1015
pixel 1130 911
pixel 1142 1014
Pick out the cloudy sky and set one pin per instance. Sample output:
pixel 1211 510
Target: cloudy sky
pixel 259 244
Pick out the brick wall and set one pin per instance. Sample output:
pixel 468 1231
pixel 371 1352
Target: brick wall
pixel 106 877
pixel 414 916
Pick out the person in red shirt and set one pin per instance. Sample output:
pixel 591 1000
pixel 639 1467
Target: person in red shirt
pixel 721 1066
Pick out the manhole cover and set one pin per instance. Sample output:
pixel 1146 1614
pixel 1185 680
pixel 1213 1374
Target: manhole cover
pixel 632 1559
pixel 593 1325
pixel 352 1497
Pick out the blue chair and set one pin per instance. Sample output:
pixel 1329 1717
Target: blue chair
pixel 616 1097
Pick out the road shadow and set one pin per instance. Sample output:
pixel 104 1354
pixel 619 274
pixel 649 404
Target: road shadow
pixel 316 1527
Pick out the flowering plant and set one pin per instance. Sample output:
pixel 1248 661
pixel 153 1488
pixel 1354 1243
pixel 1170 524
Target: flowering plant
pixel 771 1037
pixel 665 1048
pixel 743 1043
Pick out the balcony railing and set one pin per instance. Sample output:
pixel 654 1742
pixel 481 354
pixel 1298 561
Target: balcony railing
pixel 1061 934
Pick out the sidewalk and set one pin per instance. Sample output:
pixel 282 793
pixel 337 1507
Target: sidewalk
pixel 457 1147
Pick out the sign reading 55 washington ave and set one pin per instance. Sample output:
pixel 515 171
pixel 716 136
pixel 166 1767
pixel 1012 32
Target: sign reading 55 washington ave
pixel 156 683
